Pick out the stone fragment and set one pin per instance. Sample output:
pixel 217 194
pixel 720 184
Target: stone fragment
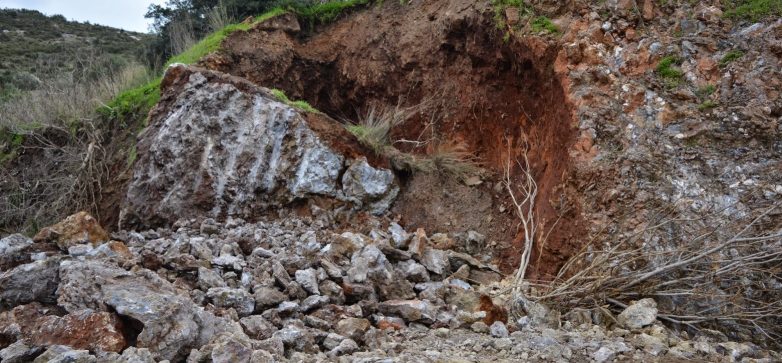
pixel 436 261
pixel 413 271
pixel 609 351
pixel 12 244
pixel 410 310
pixel 229 348
pixel 347 346
pixel 65 354
pixel 256 327
pixel 370 187
pixel 332 341
pixel 479 327
pixel 226 297
pixel 35 281
pixel 76 229
pixel 313 302
pixel 639 314
pixel 84 329
pixel 308 279
pixel 267 297
pixel 389 322
pixel 498 330
pixel 208 278
pixel 398 235
pixel 353 328
pixel 136 355
pixel 19 352
pixel 418 243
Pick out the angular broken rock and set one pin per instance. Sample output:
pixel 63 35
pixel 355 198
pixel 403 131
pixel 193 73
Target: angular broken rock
pixel 218 146
pixel 436 261
pixel 226 297
pixel 84 329
pixel 308 279
pixel 171 324
pixel 639 314
pixel 62 354
pixel 76 229
pixel 35 281
pixel 353 328
pixel 19 352
pixel 268 297
pixel 12 244
pixel 410 310
pixel 370 187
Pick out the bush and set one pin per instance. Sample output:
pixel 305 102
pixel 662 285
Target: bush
pixel 730 57
pixel 668 70
pixel 543 24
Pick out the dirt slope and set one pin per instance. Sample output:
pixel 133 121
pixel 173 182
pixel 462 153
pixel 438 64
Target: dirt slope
pixel 486 92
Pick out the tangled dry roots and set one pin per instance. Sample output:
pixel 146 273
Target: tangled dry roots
pixel 725 278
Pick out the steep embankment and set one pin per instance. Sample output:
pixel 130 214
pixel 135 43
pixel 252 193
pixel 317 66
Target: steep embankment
pixel 481 94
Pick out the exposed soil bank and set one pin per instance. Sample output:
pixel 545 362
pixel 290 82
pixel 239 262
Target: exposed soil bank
pixel 486 93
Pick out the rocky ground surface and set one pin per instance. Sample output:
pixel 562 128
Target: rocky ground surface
pixel 294 289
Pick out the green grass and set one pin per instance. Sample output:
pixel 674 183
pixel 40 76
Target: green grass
pixel 212 41
pixel 729 57
pixel 301 105
pixel 135 102
pixel 706 90
pixel 668 70
pixel 324 13
pixel 544 25
pixel 707 105
pixel 752 10
pixel 10 143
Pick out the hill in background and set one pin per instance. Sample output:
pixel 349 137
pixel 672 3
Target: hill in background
pixel 36 46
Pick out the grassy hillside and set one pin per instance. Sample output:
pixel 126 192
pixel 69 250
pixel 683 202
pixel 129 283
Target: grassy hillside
pixel 36 47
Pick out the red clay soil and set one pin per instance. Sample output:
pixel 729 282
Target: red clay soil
pixel 485 92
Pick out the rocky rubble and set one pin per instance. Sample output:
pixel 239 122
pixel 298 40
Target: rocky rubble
pixel 294 289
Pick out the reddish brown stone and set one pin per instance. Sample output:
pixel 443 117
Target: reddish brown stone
pixel 37 325
pixel 75 229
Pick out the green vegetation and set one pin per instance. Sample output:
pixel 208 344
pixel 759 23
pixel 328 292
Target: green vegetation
pixel 544 25
pixel 669 71
pixel 706 90
pixel 133 103
pixel 707 105
pixel 302 105
pixel 323 13
pixel 212 41
pixel 10 143
pixel 729 57
pixel 752 10
pixel 36 47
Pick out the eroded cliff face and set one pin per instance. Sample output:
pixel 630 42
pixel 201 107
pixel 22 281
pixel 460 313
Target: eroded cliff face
pixel 218 146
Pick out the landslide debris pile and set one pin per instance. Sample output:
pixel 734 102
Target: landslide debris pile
pixel 290 289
